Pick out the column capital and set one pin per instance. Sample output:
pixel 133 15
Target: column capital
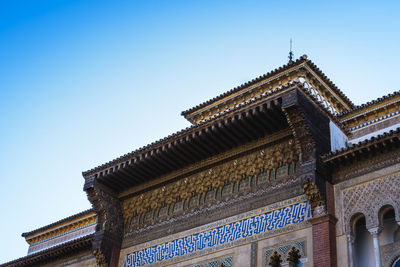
pixel 375 231
pixel 350 239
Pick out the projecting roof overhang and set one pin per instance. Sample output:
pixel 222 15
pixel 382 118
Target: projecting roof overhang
pixel 249 121
pixel 54 253
pixel 245 123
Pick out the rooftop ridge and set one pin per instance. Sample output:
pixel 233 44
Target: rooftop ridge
pixel 302 59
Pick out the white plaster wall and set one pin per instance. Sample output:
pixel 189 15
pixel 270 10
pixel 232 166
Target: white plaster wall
pixel 338 138
pixel 341 250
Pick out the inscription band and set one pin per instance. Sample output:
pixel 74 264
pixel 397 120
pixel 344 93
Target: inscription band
pixel 228 233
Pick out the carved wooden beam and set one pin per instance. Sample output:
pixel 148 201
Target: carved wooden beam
pixel 109 229
pixel 299 125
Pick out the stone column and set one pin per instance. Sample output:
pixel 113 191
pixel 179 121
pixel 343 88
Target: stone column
pixel 350 249
pixel 375 235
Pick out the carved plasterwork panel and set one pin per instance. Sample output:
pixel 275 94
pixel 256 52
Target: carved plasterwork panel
pixel 229 177
pixel 368 198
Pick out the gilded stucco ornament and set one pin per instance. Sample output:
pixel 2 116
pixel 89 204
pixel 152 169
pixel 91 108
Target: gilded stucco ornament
pixel 214 178
pixel 100 258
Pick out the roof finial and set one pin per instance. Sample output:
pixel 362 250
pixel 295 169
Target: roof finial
pixel 291 53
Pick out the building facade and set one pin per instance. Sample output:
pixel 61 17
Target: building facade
pixel 283 170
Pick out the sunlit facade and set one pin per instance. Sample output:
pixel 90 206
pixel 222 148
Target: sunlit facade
pixel 283 170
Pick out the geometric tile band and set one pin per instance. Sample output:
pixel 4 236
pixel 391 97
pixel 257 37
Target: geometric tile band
pixel 228 233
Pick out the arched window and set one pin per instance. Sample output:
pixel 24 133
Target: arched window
pixel 363 245
pixel 396 263
pixel 389 224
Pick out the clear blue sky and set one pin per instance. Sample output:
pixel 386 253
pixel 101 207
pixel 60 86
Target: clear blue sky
pixel 83 82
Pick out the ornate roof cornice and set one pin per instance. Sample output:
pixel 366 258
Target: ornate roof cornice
pixel 54 253
pixel 145 151
pixel 57 223
pixel 266 78
pixel 369 104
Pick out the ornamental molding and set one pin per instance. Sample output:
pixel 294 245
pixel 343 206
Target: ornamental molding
pixel 275 219
pixel 264 195
pixel 62 229
pixel 230 173
pixel 367 165
pixel 302 73
pixel 208 163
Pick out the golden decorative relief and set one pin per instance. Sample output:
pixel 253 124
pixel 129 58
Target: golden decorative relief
pixel 301 73
pixel 58 230
pixel 269 159
pixel 245 95
pixel 313 195
pixel 370 113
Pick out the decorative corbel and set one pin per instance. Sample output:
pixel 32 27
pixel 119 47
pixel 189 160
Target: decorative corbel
pixel 109 230
pixel 314 198
pixel 299 126
pixel 309 125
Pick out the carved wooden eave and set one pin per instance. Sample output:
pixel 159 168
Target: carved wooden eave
pixel 54 253
pixel 364 149
pixel 249 121
pixel 302 69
